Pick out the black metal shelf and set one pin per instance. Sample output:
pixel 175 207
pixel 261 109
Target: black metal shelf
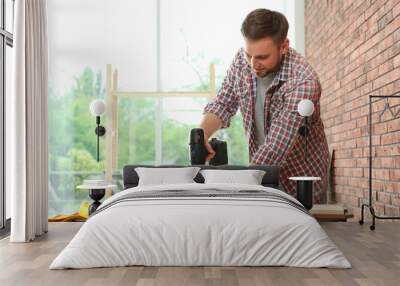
pixel 369 205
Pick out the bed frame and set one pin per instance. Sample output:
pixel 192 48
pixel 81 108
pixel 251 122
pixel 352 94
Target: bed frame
pixel 270 179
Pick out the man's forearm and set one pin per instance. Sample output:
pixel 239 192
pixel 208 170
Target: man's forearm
pixel 210 124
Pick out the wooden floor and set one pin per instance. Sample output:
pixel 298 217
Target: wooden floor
pixel 375 257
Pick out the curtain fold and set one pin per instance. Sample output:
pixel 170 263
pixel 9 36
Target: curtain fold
pixel 28 156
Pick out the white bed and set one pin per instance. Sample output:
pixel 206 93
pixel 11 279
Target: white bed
pixel 207 230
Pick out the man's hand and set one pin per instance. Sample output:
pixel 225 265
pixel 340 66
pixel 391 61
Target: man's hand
pixel 210 123
pixel 210 150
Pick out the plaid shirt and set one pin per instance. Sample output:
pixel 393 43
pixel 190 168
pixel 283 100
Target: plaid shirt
pixel 283 146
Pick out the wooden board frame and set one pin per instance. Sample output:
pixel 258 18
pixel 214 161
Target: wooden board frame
pixel 112 95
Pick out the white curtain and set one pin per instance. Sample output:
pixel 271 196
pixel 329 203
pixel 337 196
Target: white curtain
pixel 27 123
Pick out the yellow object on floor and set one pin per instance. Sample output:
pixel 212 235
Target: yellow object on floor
pixel 84 209
pixel 82 215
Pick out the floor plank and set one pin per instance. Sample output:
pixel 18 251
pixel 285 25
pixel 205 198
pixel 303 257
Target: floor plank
pixel 375 257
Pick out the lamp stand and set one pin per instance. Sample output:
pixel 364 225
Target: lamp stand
pixel 305 193
pixel 96 195
pixel 304 132
pixel 100 131
pixel 304 185
pixel 305 137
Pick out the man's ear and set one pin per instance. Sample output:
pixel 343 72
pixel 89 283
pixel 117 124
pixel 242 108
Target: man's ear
pixel 284 47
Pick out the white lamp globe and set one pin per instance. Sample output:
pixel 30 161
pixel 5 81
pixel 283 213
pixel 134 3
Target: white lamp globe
pixel 305 107
pixel 98 107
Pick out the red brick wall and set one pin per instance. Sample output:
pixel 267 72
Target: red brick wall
pixel 355 48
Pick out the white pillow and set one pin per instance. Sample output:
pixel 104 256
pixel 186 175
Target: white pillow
pixel 165 176
pixel 249 177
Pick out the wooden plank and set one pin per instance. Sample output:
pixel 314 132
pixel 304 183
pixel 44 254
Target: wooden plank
pixel 161 94
pixel 212 81
pixel 109 124
pixel 115 122
pixel 332 217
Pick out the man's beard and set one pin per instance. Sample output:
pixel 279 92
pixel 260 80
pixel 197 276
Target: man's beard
pixel 275 69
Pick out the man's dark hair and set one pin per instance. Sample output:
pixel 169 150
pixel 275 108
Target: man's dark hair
pixel 262 23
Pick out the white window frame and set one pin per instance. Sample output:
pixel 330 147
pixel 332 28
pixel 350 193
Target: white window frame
pixel 6 39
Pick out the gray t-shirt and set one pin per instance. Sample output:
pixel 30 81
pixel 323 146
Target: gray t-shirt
pixel 259 115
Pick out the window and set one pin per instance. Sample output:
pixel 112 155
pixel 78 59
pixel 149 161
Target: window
pixel 6 43
pixel 156 46
pixel 9 15
pixel 8 82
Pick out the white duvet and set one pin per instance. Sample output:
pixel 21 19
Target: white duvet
pixel 200 231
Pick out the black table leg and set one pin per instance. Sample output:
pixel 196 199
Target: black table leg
pixel 96 195
pixel 305 193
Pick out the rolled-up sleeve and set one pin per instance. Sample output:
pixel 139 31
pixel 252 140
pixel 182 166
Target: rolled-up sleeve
pixel 226 103
pixel 284 128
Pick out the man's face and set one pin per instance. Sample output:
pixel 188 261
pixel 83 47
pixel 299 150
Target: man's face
pixel 265 55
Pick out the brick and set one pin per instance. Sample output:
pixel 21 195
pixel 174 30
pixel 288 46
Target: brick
pixel 393 125
pixel 350 200
pixel 384 198
pixel 380 128
pixel 392 26
pixel 396 61
pixel 358 182
pixel 373 74
pixel 376 185
pixel 372 10
pixel 383 21
pixel 388 89
pixel 385 67
pixel 343 154
pixel 361 80
pixel 388 162
pixel 392 210
pixel 396 10
pixel 363 121
pixel 340 180
pixel 395 174
pixel 381 174
pixel 345 163
pixel 376 163
pixel 357 153
pixel 390 138
pixel 377 106
pixel 396 200
pixel 379 208
pixel 386 78
pixel 389 151
pixel 391 187
pixel 363 162
pixel 357 172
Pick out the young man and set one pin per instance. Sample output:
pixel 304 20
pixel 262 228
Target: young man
pixel 266 80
